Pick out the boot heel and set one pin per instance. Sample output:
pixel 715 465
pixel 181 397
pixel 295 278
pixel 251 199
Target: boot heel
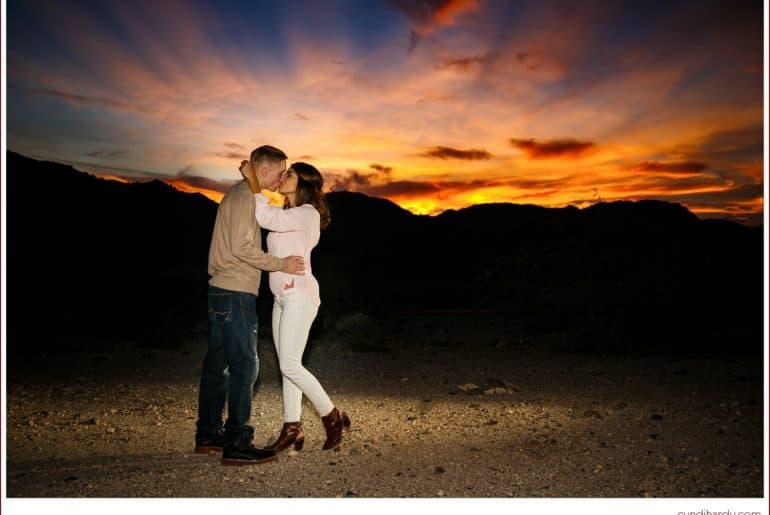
pixel 298 444
pixel 291 433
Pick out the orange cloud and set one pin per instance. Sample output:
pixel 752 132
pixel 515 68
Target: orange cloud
pixel 233 151
pixel 352 181
pixel 386 170
pixel 403 189
pixel 675 167
pixel 464 64
pixel 454 153
pixel 430 14
pixel 557 148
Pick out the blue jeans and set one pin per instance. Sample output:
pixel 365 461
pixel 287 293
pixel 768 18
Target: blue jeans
pixel 230 367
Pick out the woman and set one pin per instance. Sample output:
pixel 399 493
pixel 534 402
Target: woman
pixel 295 230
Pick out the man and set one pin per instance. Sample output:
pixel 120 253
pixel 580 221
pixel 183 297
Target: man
pixel 231 366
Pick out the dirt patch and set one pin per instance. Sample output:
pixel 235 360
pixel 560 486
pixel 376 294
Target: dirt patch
pixel 532 423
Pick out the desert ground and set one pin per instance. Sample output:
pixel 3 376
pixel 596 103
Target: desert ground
pixel 441 406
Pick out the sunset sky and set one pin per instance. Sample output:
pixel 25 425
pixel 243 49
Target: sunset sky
pixel 431 104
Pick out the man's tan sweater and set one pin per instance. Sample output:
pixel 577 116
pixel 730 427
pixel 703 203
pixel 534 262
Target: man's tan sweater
pixel 236 258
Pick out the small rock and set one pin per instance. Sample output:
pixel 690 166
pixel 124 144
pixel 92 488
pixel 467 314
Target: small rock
pixel 440 493
pixel 439 469
pixel 490 422
pixel 468 387
pixel 110 430
pixel 492 382
pixel 592 413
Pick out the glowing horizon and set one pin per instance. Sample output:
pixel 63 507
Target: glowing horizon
pixel 423 207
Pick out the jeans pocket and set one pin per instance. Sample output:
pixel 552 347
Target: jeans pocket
pixel 220 307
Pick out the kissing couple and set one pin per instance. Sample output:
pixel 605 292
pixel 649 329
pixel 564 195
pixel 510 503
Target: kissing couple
pixel 236 261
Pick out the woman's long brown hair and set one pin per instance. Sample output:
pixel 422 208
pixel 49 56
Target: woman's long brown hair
pixel 309 190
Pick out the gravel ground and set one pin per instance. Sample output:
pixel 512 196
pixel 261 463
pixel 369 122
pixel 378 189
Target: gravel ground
pixel 471 415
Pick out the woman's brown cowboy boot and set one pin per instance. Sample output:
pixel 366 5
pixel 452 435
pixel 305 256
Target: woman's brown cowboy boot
pixel 291 433
pixel 333 423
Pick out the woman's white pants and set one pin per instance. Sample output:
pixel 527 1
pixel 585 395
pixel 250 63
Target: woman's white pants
pixel 293 314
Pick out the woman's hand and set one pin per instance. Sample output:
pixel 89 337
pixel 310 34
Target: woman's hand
pixel 247 170
pixel 248 173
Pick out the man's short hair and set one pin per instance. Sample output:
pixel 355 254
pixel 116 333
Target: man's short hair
pixel 266 153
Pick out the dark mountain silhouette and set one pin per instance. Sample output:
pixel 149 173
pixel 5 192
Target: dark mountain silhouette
pixel 620 275
pixel 94 260
pixel 91 260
